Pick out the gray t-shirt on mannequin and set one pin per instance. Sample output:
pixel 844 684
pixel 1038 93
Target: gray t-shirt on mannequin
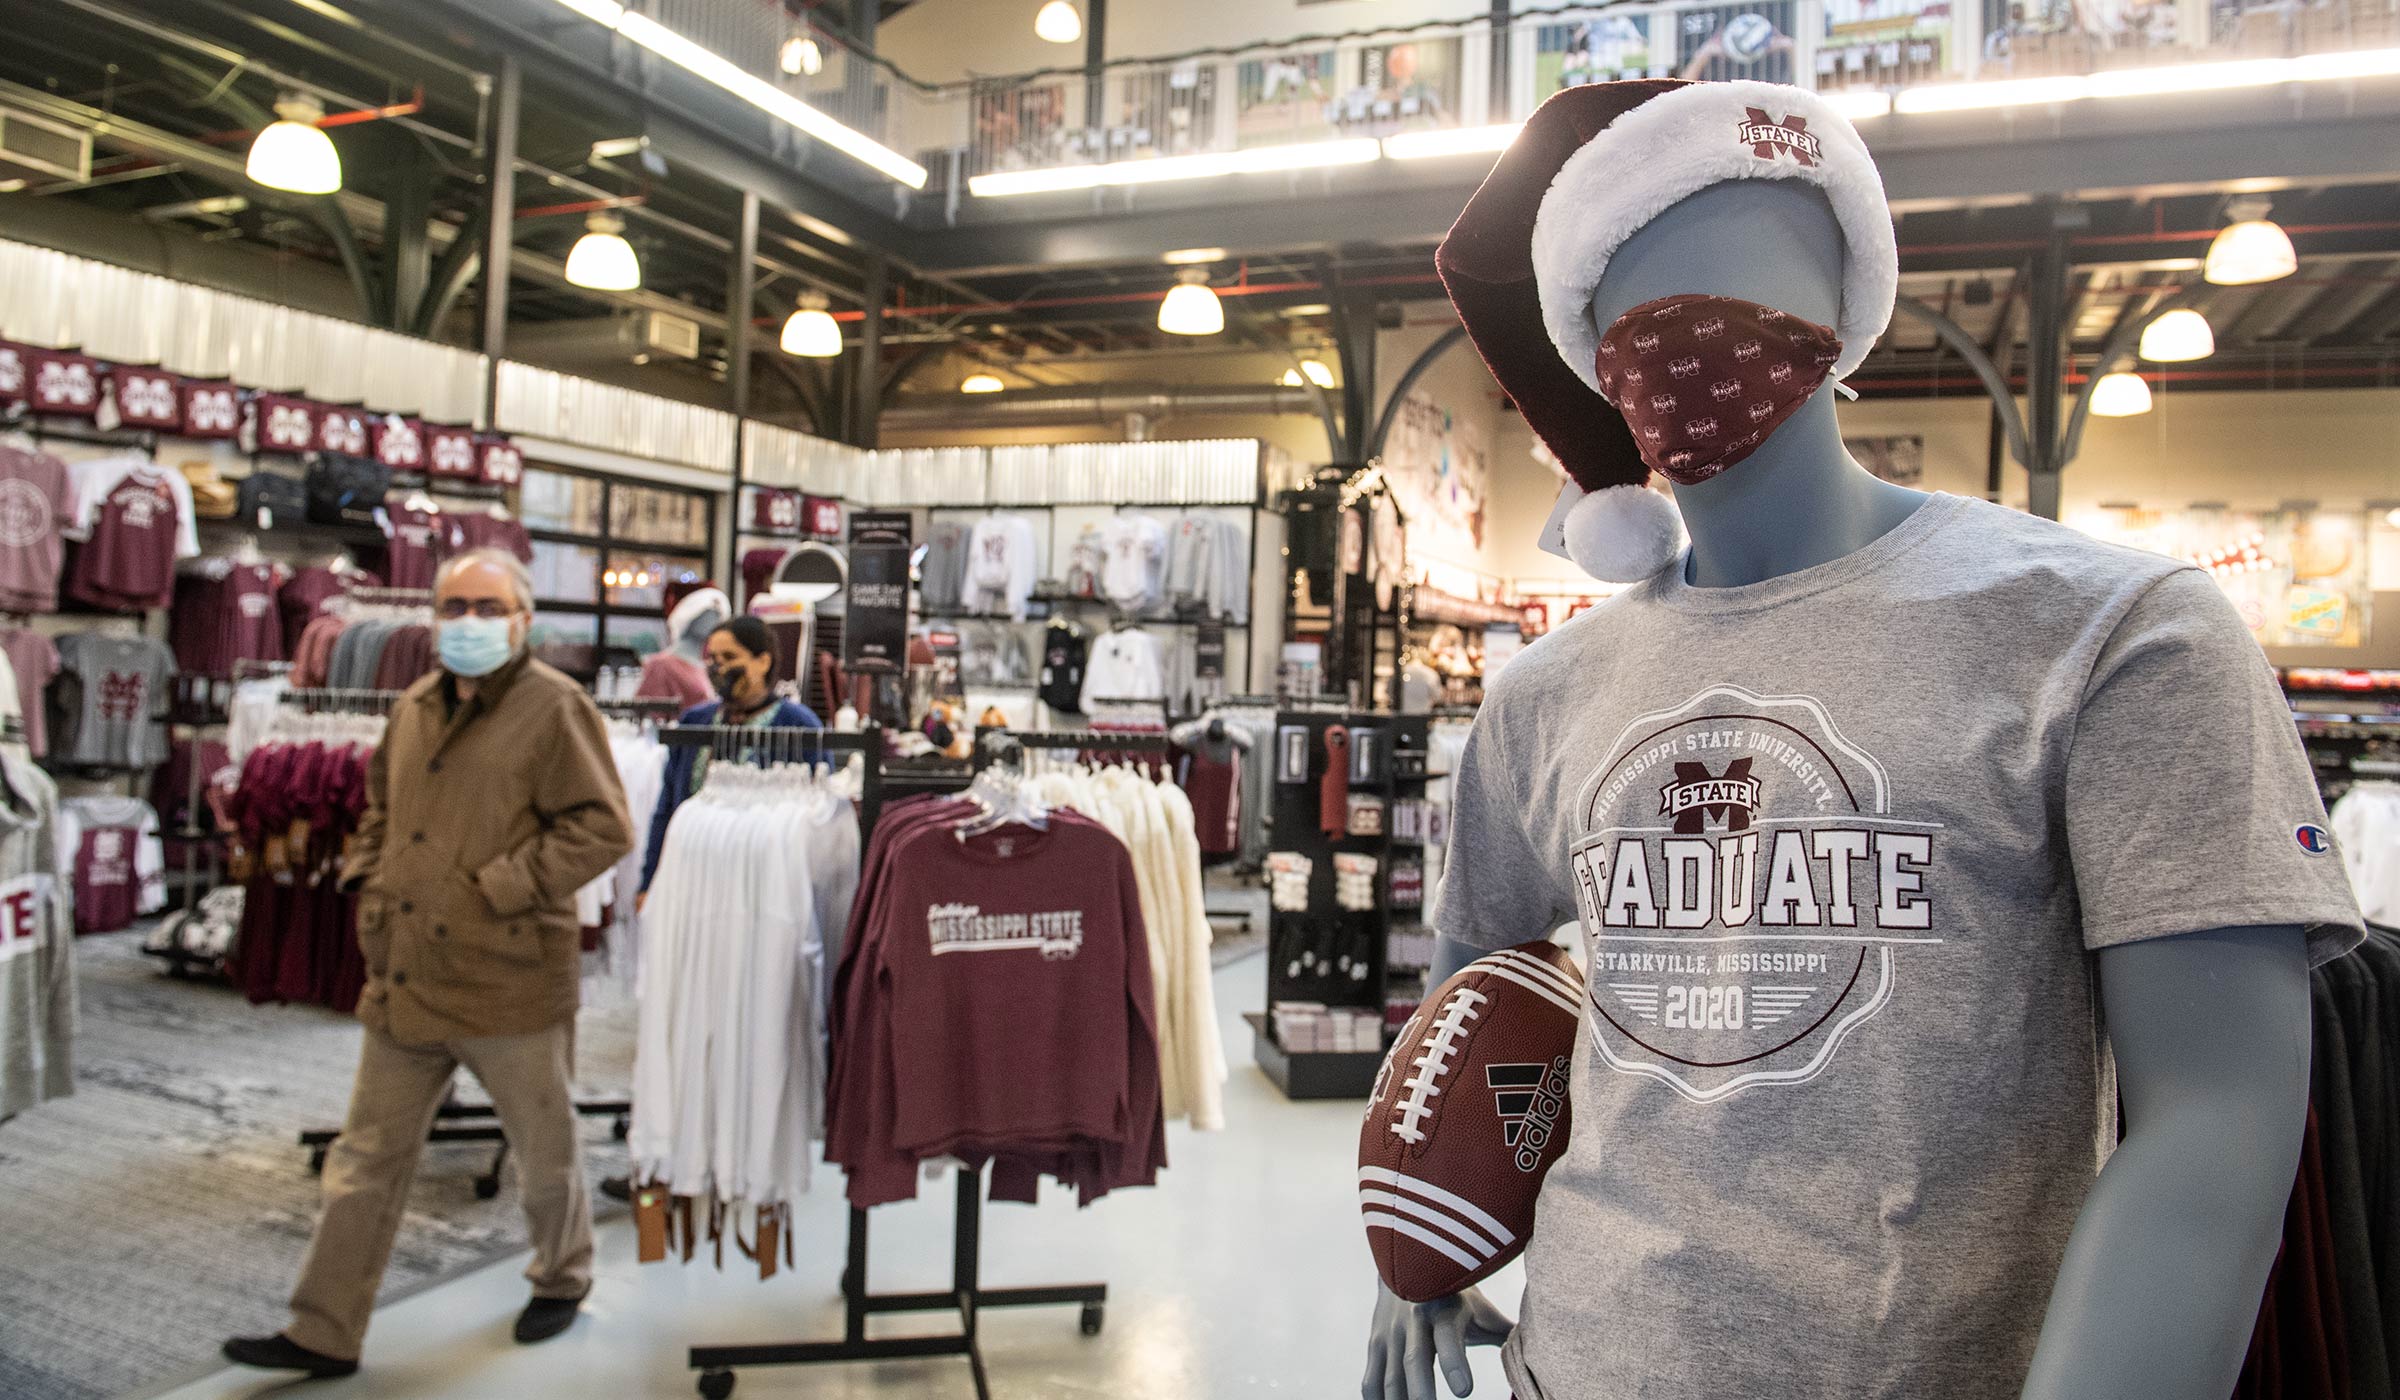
pixel 1838 844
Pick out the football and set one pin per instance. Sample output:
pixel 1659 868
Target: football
pixel 1468 1113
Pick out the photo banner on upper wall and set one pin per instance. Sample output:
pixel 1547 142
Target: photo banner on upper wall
pixel 1284 97
pixel 1439 470
pixel 1752 42
pixel 1899 460
pixel 1409 86
pixel 1601 49
pixel 2298 578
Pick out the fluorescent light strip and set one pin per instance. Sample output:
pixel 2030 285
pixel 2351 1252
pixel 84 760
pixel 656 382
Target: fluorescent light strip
pixel 1458 141
pixel 2151 82
pixel 712 67
pixel 1314 155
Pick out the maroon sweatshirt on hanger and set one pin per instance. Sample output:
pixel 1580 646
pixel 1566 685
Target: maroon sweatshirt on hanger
pixel 999 1005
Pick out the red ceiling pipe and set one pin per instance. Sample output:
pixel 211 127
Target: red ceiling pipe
pixel 365 114
pixel 582 206
pixel 1246 289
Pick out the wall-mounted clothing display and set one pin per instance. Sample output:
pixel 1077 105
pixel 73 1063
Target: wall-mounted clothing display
pixel 37 944
pixel 365 646
pixel 133 519
pixel 942 571
pixel 119 867
pixel 414 534
pixel 226 611
pixel 487 529
pixel 958 948
pixel 304 596
pixel 1208 568
pixel 1002 560
pixel 37 507
pixel 33 664
pixel 1065 655
pixel 108 704
pixel 1133 553
pixel 1123 664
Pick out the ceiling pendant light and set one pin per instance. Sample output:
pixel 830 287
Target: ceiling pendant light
pixel 800 57
pixel 292 153
pixel 2120 395
pixel 1309 372
pixel 981 384
pixel 602 260
pixel 2181 334
pixel 810 331
pixel 1191 307
pixel 1059 22
pixel 2251 248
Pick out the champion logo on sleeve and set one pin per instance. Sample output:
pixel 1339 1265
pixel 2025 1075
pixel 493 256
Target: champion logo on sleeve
pixel 2312 838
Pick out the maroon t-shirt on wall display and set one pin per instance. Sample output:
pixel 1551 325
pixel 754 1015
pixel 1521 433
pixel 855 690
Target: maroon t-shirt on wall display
pixel 128 561
pixel 35 507
pixel 488 531
pixel 228 615
pixel 305 594
pixel 412 537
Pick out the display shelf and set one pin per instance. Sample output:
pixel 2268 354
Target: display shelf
pixel 1313 1074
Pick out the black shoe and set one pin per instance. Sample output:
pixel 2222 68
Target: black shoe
pixel 281 1353
pixel 545 1318
pixel 617 1188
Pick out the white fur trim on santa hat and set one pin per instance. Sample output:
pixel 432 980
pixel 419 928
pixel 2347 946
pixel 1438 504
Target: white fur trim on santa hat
pixel 1678 144
pixel 1624 534
pixel 698 603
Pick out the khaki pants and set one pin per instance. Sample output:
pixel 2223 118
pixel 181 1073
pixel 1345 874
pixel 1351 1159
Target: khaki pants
pixel 368 1169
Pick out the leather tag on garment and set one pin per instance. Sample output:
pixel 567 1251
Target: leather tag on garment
pixel 683 1213
pixel 770 1231
pixel 650 1224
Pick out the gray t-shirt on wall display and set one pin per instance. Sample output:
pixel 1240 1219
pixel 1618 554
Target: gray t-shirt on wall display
pixel 109 705
pixel 1840 845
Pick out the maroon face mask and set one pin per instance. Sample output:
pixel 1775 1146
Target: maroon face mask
pixel 1703 380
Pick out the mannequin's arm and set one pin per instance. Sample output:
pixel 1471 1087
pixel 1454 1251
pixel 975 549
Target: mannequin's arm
pixel 2160 1286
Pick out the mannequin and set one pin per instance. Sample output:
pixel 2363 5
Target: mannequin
pixel 2160 1279
pixel 680 672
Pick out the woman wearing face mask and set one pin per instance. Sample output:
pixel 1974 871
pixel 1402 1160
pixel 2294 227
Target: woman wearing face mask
pixel 740 658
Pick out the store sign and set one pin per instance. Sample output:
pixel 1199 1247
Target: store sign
pixel 449 450
pixel 63 383
pixel 497 461
pixel 875 625
pixel 821 517
pixel 212 408
pixel 400 443
pixel 148 398
pixel 342 430
pixel 774 511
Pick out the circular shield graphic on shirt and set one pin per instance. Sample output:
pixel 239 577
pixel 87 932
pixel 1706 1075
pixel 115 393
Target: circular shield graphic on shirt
pixel 24 513
pixel 1746 892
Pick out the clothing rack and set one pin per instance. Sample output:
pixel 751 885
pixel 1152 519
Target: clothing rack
pixel 338 701
pixel 966 1293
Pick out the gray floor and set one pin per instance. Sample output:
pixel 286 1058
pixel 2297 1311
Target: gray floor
pixel 1244 1273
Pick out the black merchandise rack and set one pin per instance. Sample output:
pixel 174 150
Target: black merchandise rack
pixel 1396 771
pixel 966 1295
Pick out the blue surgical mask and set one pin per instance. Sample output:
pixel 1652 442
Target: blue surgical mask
pixel 473 646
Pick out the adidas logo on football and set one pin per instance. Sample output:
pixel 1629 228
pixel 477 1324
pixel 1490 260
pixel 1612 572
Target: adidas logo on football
pixel 1530 1098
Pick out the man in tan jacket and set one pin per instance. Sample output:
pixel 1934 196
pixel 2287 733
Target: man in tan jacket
pixel 491 800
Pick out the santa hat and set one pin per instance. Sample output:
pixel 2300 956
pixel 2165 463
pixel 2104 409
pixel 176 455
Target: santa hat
pixel 693 606
pixel 1591 167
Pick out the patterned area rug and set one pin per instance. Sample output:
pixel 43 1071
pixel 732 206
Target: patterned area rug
pixel 165 1206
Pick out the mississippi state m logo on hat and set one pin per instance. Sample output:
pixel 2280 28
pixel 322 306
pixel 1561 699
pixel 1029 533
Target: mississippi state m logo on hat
pixel 1769 136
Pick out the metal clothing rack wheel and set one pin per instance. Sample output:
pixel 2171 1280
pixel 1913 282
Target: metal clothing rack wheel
pixel 966 1294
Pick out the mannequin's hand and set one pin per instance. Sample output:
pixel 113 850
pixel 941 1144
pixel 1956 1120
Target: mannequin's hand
pixel 1406 1339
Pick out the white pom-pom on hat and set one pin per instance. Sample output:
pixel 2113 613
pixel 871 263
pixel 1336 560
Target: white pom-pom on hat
pixel 1623 534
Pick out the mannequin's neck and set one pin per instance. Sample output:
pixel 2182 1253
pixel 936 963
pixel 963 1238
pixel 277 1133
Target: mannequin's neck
pixel 1796 502
pixel 688 648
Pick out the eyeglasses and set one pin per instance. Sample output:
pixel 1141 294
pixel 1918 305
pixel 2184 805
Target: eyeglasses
pixel 487 608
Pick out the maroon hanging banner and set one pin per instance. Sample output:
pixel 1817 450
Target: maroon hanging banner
pixel 399 443
pixel 12 372
pixel 212 408
pixel 450 451
pixel 498 462
pixel 148 398
pixel 63 383
pixel 774 511
pixel 286 423
pixel 341 430
pixel 821 517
